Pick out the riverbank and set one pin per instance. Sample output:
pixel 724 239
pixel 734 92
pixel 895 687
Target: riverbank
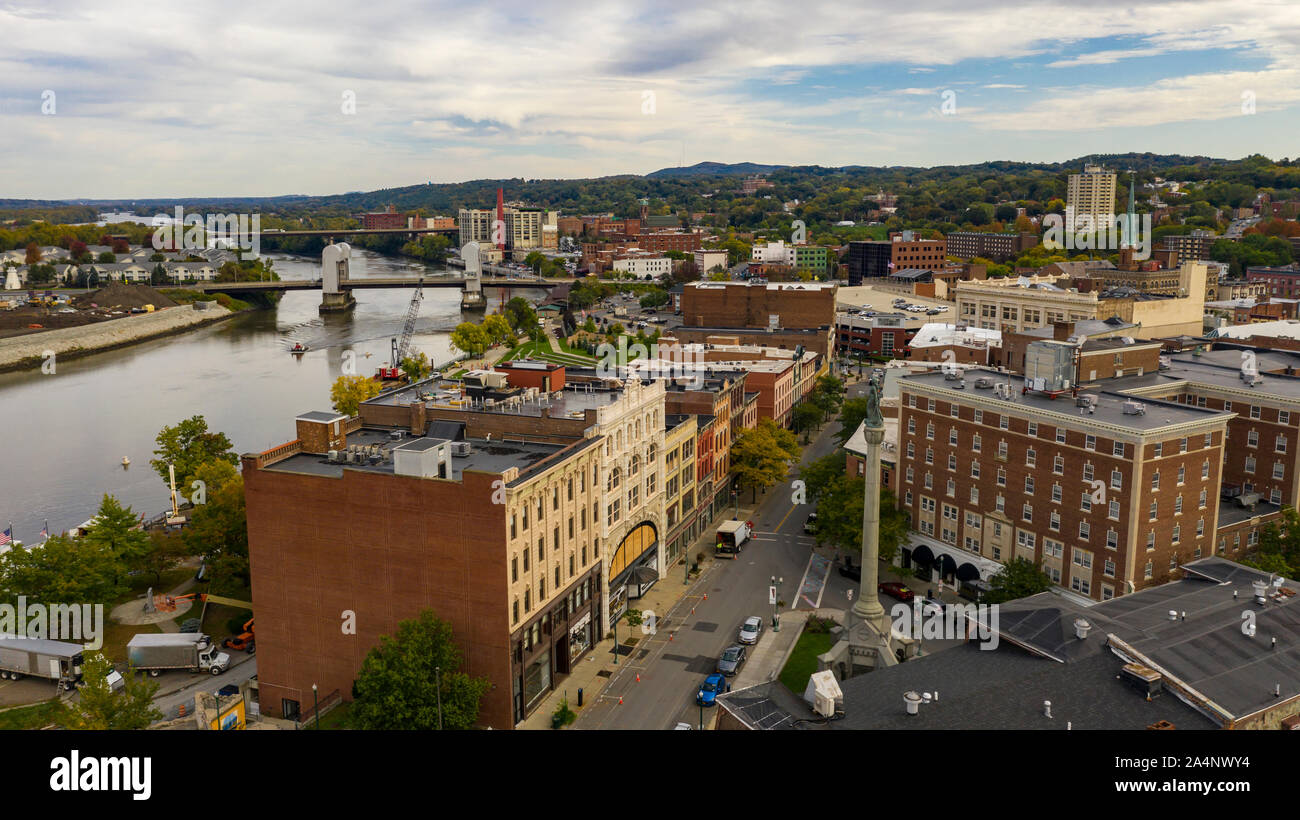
pixel 31 352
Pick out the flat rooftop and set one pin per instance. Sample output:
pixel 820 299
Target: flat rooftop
pixel 572 402
pixel 485 456
pixel 1108 407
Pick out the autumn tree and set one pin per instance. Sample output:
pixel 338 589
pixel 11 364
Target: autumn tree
pixel 348 392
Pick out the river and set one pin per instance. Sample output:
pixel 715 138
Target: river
pixel 64 435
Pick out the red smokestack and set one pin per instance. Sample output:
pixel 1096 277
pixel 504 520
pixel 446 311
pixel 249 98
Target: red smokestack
pixel 501 218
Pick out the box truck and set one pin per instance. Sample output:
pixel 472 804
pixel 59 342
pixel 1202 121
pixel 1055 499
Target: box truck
pixel 58 661
pixel 176 650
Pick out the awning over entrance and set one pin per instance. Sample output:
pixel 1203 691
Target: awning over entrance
pixel 966 566
pixel 643 575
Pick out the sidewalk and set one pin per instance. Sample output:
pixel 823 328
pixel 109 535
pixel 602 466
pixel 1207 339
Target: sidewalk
pixel 597 669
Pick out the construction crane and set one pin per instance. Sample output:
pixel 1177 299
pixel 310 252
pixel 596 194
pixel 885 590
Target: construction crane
pixel 402 346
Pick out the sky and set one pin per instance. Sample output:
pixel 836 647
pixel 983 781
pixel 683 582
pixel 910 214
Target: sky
pixel 131 99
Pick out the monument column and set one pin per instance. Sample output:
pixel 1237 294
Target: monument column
pixel 868 606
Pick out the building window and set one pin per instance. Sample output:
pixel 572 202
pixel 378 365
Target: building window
pixel 1158 449
pixel 974 495
pixel 1031 458
pixel 1002 477
pixel 1155 480
pixel 1084 530
pixel 1252 438
pixel 1112 539
pixel 1118 449
pixel 1058 465
pixel 1027 512
pixel 1060 435
pixel 1280 445
pixel 1054 521
pixel 975 443
pixel 1085 502
pixel 1090 442
pixel 1254 411
pixel 1250 464
pixel 1087 471
pixel 1178 505
pixel 1205 469
pixel 1056 493
pixel 979 416
pixel 1033 429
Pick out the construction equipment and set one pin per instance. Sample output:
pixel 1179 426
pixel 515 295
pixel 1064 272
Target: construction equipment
pixel 403 346
pixel 244 641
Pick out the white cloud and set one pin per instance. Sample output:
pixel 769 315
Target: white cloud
pixel 153 101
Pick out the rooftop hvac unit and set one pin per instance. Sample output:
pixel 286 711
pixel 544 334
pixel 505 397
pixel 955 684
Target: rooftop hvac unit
pixel 489 402
pixel 960 385
pixel 1001 390
pixel 1085 401
pixel 951 375
pixel 1257 379
pixel 983 383
pixel 1134 408
pixel 333 456
pixel 462 448
pixel 395 435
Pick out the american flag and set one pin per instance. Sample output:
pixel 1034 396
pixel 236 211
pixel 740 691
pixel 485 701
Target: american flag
pixel 7 536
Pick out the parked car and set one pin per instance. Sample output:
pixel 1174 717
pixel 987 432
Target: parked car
pixel 751 629
pixel 896 590
pixel 732 658
pixel 810 525
pixel 681 725
pixel 714 685
pixel 848 570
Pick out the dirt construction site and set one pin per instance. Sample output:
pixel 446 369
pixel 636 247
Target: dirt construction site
pixel 111 302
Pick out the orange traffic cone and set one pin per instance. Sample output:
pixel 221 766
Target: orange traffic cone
pixel 620 701
pixel 706 596
pixel 638 677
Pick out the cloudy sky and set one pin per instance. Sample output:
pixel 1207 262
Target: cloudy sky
pixel 210 99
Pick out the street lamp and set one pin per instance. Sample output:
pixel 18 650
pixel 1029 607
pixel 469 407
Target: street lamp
pixel 735 494
pixel 777 583
pixel 616 641
pixel 315 706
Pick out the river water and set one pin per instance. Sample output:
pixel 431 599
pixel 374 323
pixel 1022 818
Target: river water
pixel 63 436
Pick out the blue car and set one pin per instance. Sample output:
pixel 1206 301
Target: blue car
pixel 713 686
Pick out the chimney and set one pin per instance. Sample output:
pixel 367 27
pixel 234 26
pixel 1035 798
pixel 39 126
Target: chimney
pixel 418 421
pixel 1062 331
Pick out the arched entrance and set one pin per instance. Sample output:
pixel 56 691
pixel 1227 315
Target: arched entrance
pixel 633 567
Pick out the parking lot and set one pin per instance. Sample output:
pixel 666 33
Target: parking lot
pixel 881 300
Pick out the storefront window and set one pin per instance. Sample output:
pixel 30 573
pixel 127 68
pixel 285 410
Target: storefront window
pixel 580 637
pixel 537 680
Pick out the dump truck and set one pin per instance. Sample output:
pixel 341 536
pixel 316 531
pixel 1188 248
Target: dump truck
pixel 176 650
pixel 58 661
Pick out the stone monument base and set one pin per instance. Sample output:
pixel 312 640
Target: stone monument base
pixel 862 648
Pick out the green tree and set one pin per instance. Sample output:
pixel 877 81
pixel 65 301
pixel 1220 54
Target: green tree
pixel 188 444
pixel 852 413
pixel 761 457
pixel 469 338
pixel 98 707
pixel 1018 578
pixel 219 530
pixel 398 687
pixel 166 550
pixel 806 416
pixel 534 260
pixel 116 531
pixel 63 570
pixel 348 392
pixel 417 366
pixel 521 314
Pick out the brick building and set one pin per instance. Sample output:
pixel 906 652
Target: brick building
pixel 795 305
pixel 404 522
pixel 389 219
pixel 1104 502
pixel 997 247
pixel 875 260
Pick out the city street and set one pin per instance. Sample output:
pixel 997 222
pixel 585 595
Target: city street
pixel 671 670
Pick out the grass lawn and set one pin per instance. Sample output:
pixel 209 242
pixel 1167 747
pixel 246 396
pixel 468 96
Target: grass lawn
pixel 27 717
pixel 336 718
pixel 803 660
